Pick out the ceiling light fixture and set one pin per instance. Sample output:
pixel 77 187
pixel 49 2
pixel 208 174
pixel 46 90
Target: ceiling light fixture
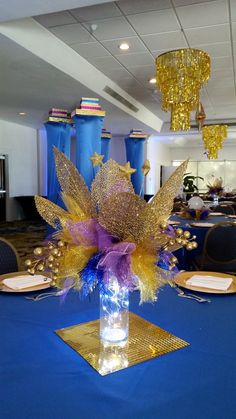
pixel 21 113
pixel 213 138
pixel 124 46
pixel 153 80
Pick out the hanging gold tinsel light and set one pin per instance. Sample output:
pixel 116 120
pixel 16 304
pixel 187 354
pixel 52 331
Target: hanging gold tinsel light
pixel 213 137
pixel 180 76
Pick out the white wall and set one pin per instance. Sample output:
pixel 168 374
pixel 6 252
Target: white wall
pixel 159 155
pixel 196 153
pixel 19 143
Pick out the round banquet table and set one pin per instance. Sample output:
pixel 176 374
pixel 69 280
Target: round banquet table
pixel 42 377
pixel 184 256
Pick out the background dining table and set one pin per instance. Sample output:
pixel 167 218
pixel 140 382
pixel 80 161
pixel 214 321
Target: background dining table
pixel 184 256
pixel 42 377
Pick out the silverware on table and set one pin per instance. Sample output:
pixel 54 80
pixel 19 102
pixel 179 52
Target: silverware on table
pixel 191 296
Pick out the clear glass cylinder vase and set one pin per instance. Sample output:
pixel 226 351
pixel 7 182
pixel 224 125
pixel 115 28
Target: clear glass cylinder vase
pixel 114 313
pixel 215 199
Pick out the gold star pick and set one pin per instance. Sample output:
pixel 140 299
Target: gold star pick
pixel 146 167
pixel 97 159
pixel 127 170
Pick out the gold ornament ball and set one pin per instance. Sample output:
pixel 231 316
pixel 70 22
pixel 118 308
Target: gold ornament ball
pixel 50 258
pixel 38 251
pixel 54 277
pixel 187 234
pixel 194 244
pixel 40 267
pixel 50 247
pixel 59 254
pixel 171 242
pixel 164 225
pixel 55 270
pixel 55 252
pixel 189 246
pixel 31 271
pixel 179 231
pixel 28 262
pixel 50 265
pixel 174 259
pixel 178 240
pixel 60 243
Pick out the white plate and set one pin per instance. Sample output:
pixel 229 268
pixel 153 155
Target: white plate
pixel 172 223
pixel 216 213
pixel 231 216
pixel 206 225
pixel 4 288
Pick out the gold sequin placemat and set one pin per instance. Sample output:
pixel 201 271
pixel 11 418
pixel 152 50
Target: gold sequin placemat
pixel 146 341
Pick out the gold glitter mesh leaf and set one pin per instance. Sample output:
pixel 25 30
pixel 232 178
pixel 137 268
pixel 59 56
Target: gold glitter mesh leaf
pixel 143 265
pixel 74 208
pixel 51 213
pixel 123 215
pixel 160 207
pixel 108 181
pixel 74 260
pixel 73 184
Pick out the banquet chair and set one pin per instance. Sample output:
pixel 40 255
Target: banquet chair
pixel 219 250
pixel 226 209
pixel 9 258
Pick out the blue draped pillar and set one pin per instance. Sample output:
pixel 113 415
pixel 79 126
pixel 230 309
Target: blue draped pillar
pixel 58 135
pixel 105 150
pixel 88 124
pixel 134 143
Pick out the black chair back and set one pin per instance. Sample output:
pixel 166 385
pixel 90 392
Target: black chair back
pixel 9 258
pixel 226 209
pixel 220 243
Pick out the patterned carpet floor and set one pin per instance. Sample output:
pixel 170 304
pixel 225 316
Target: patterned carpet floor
pixel 25 236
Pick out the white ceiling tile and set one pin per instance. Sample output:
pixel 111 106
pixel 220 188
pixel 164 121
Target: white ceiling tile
pixel 130 7
pixel 55 19
pixel 154 22
pixel 143 72
pixel 233 10
pixel 100 11
pixel 165 41
pixel 221 62
pixel 135 44
pixel 131 60
pixel 222 96
pixel 72 34
pixel 222 73
pixel 187 2
pixel 129 84
pixel 109 29
pixel 204 14
pixel 90 49
pixel 220 82
pixel 116 74
pixel 234 31
pixel 208 34
pixel 104 62
pixel 221 49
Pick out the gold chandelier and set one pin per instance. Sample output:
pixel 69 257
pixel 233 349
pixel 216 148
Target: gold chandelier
pixel 213 137
pixel 180 76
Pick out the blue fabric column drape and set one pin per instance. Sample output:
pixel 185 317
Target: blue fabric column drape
pixel 105 150
pixel 135 155
pixel 58 135
pixel 88 141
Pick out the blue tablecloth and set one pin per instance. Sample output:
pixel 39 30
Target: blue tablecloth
pixel 42 377
pixel 186 257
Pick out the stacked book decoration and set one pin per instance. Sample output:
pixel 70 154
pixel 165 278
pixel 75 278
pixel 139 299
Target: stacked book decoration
pixel 89 106
pixel 137 133
pixel 59 115
pixel 105 134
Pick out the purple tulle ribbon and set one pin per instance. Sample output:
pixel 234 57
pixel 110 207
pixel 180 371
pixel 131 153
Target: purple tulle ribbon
pixel 117 261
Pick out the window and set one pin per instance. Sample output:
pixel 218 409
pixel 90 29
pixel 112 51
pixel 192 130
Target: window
pixel 224 169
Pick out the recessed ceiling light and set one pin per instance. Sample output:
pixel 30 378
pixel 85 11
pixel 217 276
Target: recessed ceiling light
pixel 21 113
pixel 153 80
pixel 124 46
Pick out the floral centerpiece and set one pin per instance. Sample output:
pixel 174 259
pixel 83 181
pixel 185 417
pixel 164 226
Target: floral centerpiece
pixel 196 210
pixel 109 238
pixel 215 187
